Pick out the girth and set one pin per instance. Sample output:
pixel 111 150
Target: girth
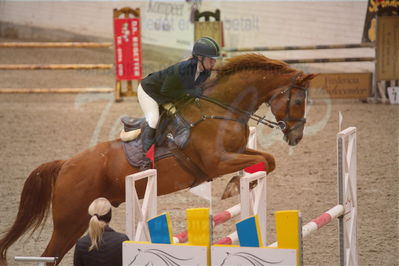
pixel 187 164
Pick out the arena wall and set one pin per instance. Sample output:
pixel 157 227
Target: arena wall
pixel 167 24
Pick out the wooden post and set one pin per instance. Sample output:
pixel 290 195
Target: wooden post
pixel 213 29
pixel 387 52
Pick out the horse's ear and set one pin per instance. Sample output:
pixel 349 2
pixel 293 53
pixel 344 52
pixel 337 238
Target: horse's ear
pixel 308 77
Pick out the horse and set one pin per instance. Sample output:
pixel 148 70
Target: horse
pixel 217 146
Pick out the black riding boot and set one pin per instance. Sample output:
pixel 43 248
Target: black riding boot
pixel 147 138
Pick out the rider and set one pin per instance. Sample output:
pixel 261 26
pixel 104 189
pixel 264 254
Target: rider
pixel 173 83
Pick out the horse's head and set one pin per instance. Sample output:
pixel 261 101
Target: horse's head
pixel 247 81
pixel 287 103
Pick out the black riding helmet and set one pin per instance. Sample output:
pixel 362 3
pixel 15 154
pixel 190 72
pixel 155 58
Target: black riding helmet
pixel 206 46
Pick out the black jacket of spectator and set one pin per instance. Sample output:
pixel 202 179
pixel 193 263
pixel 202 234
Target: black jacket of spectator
pixel 174 82
pixel 108 254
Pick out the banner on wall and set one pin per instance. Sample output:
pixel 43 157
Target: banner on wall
pixel 167 23
pixel 387 48
pixel 377 8
pixel 341 86
pixel 128 59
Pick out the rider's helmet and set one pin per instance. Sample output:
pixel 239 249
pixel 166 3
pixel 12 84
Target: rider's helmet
pixel 206 46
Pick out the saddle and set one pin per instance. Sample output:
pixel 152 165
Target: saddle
pixel 171 137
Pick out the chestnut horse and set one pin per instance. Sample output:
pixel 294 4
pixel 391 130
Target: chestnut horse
pixel 216 146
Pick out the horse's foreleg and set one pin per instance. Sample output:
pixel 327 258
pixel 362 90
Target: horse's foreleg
pixel 232 162
pixel 250 157
pixel 271 162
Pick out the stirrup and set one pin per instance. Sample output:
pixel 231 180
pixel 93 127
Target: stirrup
pixel 146 165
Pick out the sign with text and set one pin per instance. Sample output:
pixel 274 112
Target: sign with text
pixel 167 24
pixel 393 93
pixel 128 60
pixel 341 85
pixel 388 48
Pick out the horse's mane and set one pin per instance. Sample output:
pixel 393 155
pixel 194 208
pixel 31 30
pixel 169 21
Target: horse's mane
pixel 251 62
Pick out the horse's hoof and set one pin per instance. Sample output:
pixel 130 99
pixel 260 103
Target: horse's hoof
pixel 232 188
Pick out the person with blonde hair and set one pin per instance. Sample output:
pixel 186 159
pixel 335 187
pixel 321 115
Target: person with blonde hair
pixel 102 245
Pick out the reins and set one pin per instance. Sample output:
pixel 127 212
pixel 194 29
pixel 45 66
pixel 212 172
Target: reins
pixel 282 125
pixel 233 109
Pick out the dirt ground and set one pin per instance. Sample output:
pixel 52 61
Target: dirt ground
pixel 40 128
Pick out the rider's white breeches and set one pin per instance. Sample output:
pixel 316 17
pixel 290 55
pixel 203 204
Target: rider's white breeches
pixel 149 106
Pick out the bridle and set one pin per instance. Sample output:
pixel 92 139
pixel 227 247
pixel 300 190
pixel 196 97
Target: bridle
pixel 282 124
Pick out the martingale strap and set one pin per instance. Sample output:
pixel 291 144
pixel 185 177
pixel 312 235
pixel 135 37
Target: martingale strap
pixel 187 164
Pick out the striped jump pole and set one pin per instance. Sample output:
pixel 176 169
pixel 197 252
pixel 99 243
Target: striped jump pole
pixel 55 45
pixel 226 215
pixel 228 240
pixel 217 219
pixel 306 47
pixel 320 221
pixel 307 229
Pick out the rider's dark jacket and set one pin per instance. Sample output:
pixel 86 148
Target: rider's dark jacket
pixel 174 82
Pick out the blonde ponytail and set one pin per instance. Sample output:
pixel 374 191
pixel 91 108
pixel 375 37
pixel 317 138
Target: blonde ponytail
pixel 98 208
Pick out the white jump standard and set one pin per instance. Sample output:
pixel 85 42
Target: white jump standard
pixel 289 232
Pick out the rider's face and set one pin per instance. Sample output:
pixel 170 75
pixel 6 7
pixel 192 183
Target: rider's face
pixel 208 63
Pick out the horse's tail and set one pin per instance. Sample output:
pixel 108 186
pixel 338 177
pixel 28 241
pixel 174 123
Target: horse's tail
pixel 34 204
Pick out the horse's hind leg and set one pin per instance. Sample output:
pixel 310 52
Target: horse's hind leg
pixel 70 217
pixel 68 228
pixel 62 240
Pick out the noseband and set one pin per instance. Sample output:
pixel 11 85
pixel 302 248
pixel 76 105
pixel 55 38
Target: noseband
pixel 283 123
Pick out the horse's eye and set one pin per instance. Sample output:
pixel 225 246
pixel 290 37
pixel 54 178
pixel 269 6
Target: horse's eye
pixel 298 102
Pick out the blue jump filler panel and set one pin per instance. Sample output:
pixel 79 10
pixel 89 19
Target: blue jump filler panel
pixel 249 232
pixel 160 229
